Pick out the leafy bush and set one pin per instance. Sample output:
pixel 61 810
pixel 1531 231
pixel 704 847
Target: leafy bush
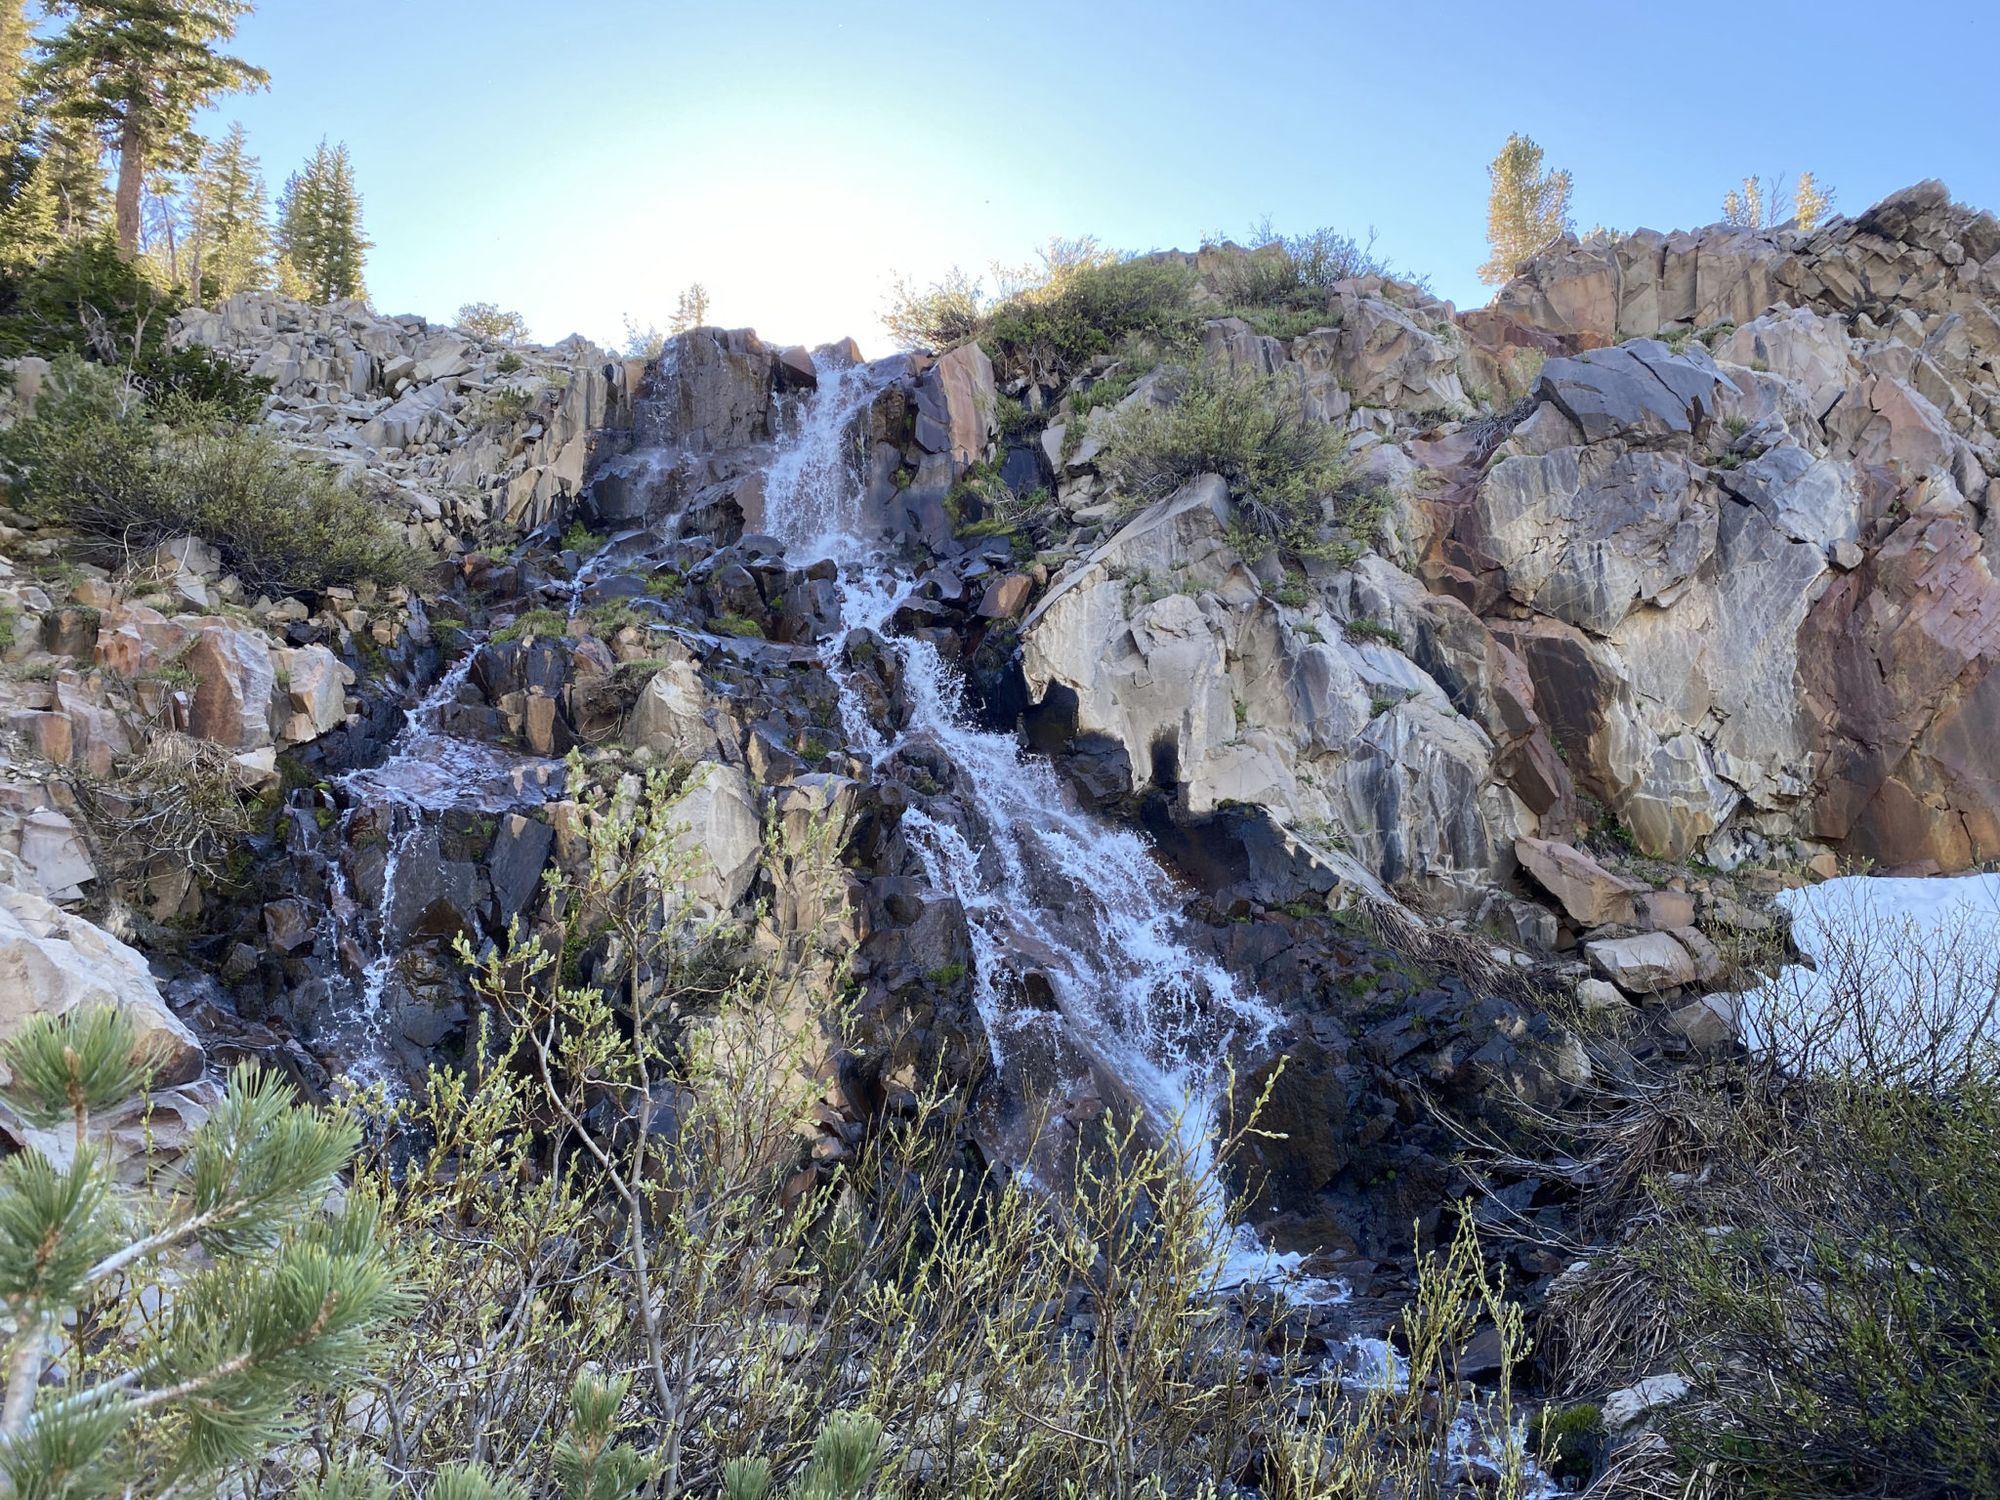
pixel 98 458
pixel 1809 1232
pixel 940 316
pixel 1077 302
pixel 1254 431
pixel 1291 271
pixel 488 320
pixel 1048 333
pixel 87 300
pixel 502 406
pixel 133 1361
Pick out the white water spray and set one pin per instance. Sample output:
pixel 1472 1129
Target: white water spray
pixel 1049 886
pixel 425 772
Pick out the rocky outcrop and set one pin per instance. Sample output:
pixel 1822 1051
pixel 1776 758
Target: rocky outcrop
pixel 51 962
pixel 1728 563
pixel 453 432
pixel 1218 694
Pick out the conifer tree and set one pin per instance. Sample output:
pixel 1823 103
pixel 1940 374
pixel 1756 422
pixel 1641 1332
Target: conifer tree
pixel 17 118
pixel 28 226
pixel 1525 209
pixel 136 72
pixel 692 309
pixel 231 247
pixel 15 38
pixel 132 1361
pixel 321 249
pixel 75 177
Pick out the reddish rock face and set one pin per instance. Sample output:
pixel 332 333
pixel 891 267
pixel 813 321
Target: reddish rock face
pixel 1901 661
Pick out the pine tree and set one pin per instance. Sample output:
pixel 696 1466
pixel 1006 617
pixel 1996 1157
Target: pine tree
pixel 137 71
pixel 28 226
pixel 231 248
pixel 322 252
pixel 75 177
pixel 195 1366
pixel 1525 210
pixel 692 309
pixel 15 38
pixel 17 122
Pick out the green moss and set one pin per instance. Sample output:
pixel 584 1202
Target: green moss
pixel 581 539
pixel 741 625
pixel 946 975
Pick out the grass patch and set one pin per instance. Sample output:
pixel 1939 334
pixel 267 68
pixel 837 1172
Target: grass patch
pixel 536 622
pixel 1373 630
pixel 579 538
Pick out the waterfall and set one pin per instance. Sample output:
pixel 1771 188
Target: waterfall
pixel 1084 900
pixel 426 772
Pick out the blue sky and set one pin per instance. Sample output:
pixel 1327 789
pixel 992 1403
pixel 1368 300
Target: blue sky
pixel 584 160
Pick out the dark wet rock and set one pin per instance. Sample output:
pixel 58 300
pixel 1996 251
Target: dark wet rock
pixel 514 868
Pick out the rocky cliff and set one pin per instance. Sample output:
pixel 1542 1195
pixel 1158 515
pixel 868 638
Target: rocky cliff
pixel 1672 583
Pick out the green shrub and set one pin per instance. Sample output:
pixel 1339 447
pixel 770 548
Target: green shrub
pixel 204 379
pixel 84 299
pixel 940 316
pixel 580 539
pixel 1283 322
pixel 502 406
pixel 1048 333
pixel 739 625
pixel 87 300
pixel 1107 390
pixel 1254 431
pixel 1372 630
pixel 1808 1232
pixel 1291 271
pixel 97 458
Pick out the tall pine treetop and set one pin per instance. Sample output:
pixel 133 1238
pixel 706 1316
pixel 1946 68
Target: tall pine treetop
pixel 136 71
pixel 321 250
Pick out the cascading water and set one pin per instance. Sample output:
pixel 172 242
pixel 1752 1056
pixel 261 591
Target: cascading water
pixel 426 772
pixel 1083 902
